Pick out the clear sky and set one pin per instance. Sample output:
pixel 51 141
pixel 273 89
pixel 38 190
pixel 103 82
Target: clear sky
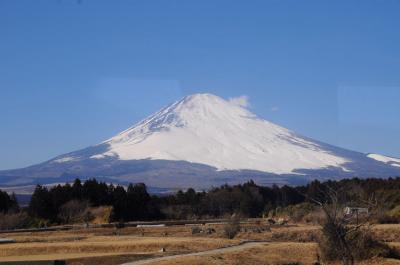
pixel 74 73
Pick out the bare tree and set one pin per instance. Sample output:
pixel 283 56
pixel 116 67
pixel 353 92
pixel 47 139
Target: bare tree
pixel 340 235
pixel 73 211
pixel 232 227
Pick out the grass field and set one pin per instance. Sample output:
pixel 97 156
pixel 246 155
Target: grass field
pixel 104 246
pixel 269 254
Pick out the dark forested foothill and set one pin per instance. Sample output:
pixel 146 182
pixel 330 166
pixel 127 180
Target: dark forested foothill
pixel 63 203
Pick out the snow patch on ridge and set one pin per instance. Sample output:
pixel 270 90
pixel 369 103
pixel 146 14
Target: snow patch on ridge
pixel 386 159
pixel 65 159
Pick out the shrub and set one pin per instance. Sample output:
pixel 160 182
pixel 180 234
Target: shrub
pixel 196 230
pixel 385 218
pixel 345 243
pixel 16 221
pixel 365 246
pixel 73 211
pixel 100 215
pixel 298 212
pixel 331 243
pixel 395 212
pixel 232 227
pixel 88 216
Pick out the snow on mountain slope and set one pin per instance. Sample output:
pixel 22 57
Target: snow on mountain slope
pixel 209 130
pixel 386 159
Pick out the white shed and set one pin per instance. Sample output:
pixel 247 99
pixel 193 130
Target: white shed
pixel 355 210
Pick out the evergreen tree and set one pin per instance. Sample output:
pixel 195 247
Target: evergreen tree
pixel 41 204
pixel 8 203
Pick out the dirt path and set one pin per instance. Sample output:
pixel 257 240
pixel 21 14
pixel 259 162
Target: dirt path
pixel 242 246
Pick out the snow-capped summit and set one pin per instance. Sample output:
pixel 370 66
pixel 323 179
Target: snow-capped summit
pixel 209 130
pixel 203 140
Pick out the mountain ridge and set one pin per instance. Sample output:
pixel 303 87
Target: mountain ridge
pixel 203 140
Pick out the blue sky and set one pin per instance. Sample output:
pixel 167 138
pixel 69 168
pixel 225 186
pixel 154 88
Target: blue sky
pixel 74 73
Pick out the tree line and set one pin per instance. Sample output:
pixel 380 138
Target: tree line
pixel 135 203
pixel 130 204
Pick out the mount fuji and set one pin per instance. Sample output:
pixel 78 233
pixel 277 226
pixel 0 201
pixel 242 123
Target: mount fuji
pixel 201 141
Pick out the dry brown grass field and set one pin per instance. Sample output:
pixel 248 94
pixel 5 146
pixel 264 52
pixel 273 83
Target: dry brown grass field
pixel 279 253
pixel 292 244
